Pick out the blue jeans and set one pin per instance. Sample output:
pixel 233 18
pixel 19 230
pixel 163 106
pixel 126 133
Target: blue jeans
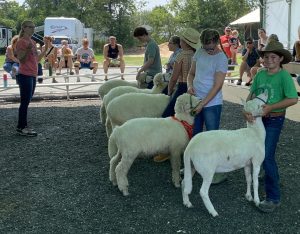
pixel 273 126
pixel 27 87
pixel 210 116
pixel 181 89
pixel 8 67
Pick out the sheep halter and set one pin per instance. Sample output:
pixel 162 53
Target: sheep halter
pixel 188 127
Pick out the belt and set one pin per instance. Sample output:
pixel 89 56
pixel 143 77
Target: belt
pixel 275 114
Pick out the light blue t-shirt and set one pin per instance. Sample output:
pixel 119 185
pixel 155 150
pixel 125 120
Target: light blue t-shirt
pixel 206 67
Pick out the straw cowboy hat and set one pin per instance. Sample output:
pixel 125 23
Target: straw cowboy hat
pixel 277 48
pixel 191 37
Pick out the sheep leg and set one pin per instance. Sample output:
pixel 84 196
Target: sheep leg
pixel 102 114
pixel 113 164
pixel 108 127
pixel 204 194
pixel 256 170
pixel 121 173
pixel 185 196
pixel 175 164
pixel 247 170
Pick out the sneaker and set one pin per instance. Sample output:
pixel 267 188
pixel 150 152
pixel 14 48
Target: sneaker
pixel 239 82
pixel 93 79
pixel 54 81
pixel 248 84
pixel 268 206
pixel 219 178
pixel 161 158
pixel 71 73
pixel 26 132
pixel 105 79
pixel 58 73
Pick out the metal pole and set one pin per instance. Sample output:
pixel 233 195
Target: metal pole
pixel 289 23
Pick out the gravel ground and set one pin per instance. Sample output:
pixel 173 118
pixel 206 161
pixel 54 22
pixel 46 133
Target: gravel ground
pixel 58 182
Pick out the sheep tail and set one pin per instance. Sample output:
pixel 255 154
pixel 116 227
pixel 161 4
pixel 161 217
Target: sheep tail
pixel 112 146
pixel 187 174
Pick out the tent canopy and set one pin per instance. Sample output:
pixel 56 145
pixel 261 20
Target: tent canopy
pixel 252 17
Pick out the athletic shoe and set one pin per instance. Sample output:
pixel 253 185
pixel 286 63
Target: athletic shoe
pixel 26 132
pixel 268 206
pixel 239 82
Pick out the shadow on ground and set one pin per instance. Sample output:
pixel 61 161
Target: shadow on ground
pixel 58 182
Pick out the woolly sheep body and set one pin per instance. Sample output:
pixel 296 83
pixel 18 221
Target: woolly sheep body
pixel 108 85
pixel 159 85
pixel 224 151
pixel 134 105
pixel 147 136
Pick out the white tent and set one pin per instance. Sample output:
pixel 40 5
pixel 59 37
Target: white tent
pixel 252 17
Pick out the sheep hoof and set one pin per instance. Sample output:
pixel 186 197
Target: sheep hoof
pixel 177 185
pixel 188 204
pixel 125 193
pixel 249 197
pixel 257 203
pixel 214 213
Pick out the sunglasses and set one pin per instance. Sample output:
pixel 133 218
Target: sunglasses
pixel 249 43
pixel 29 26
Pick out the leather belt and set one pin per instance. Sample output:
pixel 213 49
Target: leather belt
pixel 275 114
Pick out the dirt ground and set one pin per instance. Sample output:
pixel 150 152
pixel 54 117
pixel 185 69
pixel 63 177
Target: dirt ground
pixel 58 182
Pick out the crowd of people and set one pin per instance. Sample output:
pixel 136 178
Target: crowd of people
pixel 198 66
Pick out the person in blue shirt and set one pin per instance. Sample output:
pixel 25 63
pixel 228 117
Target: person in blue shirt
pixel 250 58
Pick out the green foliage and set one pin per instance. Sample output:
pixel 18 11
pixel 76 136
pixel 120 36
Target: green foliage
pixel 119 18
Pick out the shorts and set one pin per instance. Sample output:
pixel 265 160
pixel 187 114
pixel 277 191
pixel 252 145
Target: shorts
pixel 86 65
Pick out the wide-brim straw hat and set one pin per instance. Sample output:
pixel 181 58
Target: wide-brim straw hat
pixel 191 37
pixel 277 48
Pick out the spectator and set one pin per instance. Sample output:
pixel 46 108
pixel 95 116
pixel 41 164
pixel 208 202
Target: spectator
pixel 11 63
pixel 205 81
pixel 226 44
pixel 66 59
pixel 28 57
pixel 296 48
pixel 40 67
pixel 282 94
pixel 234 42
pixel 50 56
pixel 255 69
pixel 173 45
pixel 250 58
pixel 262 41
pixel 85 59
pixel 152 61
pixel 113 55
pixel 189 42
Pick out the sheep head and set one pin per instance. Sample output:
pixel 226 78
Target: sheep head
pixel 254 106
pixel 160 81
pixel 184 106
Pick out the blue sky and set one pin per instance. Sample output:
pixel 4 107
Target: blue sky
pixel 150 5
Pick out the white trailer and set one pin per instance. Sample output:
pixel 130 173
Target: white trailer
pixel 281 17
pixel 5 37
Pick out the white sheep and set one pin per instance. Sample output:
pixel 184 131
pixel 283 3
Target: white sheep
pixel 110 84
pixel 159 85
pixel 134 105
pixel 226 150
pixel 149 136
